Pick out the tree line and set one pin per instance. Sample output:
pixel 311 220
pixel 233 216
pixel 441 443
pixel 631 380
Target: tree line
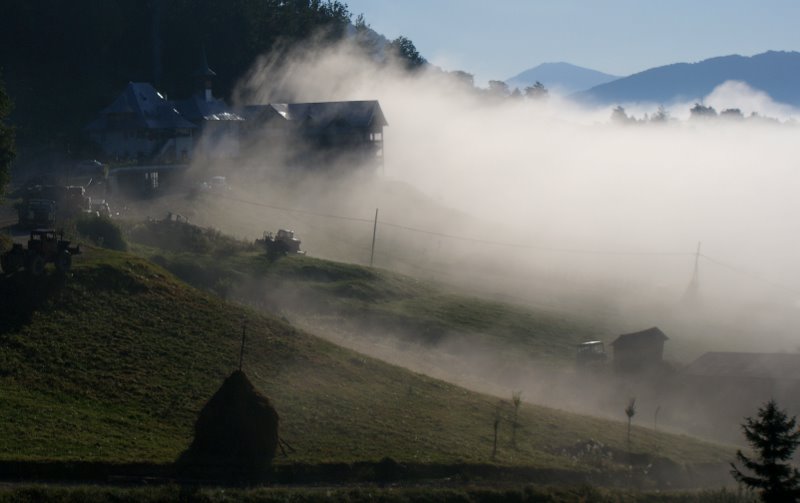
pixel 62 60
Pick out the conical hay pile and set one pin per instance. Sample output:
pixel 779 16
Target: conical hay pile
pixel 236 433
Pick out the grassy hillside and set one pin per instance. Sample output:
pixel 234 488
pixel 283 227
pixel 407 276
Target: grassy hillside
pixel 113 364
pixel 381 302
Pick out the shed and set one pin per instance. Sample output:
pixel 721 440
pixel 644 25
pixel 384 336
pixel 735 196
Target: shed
pixel 639 351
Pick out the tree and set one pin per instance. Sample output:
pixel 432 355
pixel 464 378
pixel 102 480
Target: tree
pixel 661 115
pixel 700 111
pixel 516 401
pixel 404 49
pixel 619 116
pixel 630 411
pixel 462 77
pixel 498 89
pixel 774 438
pixel 7 151
pixel 536 92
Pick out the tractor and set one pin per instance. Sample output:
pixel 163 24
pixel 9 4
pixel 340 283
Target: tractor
pixel 44 246
pixel 591 354
pixel 281 243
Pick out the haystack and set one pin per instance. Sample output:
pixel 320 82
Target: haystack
pixel 236 434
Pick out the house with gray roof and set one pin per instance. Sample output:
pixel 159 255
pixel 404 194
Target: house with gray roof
pixel 746 366
pixel 219 126
pixel 142 128
pixel 142 125
pixel 347 131
pixel 720 388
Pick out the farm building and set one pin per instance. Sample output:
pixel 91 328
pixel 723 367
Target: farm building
pixel 141 125
pixel 721 388
pixel 348 131
pixel 764 373
pixel 156 138
pixel 639 351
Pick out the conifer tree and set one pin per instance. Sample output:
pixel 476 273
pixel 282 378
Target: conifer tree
pixel 7 151
pixel 774 437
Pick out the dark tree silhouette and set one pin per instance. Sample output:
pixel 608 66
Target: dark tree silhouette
pixel 7 151
pixel 661 115
pixel 536 92
pixel 701 111
pixel 619 116
pixel 404 48
pixel 630 411
pixel 774 438
pixel 63 62
pixel 498 89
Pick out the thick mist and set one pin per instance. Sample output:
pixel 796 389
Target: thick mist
pixel 553 204
pixel 546 204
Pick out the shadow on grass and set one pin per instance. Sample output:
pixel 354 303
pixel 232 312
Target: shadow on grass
pixel 21 295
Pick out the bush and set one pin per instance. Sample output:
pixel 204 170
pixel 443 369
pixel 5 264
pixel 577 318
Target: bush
pixel 102 231
pixel 176 234
pixel 5 242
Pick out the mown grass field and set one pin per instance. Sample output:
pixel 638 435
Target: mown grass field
pixel 467 494
pixel 114 363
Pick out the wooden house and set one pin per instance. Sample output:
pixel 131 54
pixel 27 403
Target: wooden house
pixel 141 125
pixel 639 351
pixel 343 131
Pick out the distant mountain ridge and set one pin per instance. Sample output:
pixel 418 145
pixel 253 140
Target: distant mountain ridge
pixel 561 77
pixel 775 72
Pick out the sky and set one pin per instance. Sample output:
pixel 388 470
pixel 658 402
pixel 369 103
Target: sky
pixel 495 40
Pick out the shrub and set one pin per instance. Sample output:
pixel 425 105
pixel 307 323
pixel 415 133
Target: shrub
pixel 102 231
pixel 5 242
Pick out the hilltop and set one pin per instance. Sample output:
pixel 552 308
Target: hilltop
pixel 776 73
pixel 564 78
pixel 113 364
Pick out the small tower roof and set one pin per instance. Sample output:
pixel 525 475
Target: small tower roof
pixel 204 70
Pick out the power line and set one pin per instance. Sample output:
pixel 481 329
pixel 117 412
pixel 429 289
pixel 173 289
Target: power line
pixel 295 210
pixel 574 251
pixel 531 247
pixel 749 274
pixel 461 238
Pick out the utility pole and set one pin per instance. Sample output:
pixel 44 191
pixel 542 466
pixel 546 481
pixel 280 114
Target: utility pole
pixel 244 336
pixel 374 232
pixel 694 284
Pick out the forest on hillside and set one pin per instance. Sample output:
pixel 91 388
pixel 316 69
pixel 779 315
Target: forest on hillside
pixel 64 60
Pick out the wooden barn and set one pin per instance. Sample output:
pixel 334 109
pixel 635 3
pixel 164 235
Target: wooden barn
pixel 719 389
pixel 639 351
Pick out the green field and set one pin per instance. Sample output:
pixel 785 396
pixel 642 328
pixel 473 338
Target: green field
pixel 467 494
pixel 114 363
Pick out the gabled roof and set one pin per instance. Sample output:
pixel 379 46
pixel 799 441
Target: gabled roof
pixel 651 334
pixel 197 109
pixel 356 114
pixel 753 365
pixel 139 106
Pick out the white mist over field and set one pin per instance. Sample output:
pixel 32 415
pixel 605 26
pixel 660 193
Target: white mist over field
pixel 562 207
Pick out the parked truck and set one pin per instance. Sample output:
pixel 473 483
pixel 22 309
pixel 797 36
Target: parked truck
pixel 44 246
pixel 42 204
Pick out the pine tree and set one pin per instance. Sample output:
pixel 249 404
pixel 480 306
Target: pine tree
pixel 7 151
pixel 774 438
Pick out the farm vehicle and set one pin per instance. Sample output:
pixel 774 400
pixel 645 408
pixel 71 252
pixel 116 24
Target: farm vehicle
pixel 41 204
pixel 591 354
pixel 44 247
pixel 281 243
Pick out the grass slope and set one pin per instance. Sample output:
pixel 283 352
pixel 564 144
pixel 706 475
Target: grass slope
pixel 380 301
pixel 114 363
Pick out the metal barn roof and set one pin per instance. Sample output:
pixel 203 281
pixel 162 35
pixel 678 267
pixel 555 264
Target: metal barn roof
pixel 753 365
